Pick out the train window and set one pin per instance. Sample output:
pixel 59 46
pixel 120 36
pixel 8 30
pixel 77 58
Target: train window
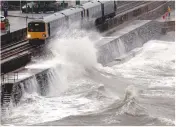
pixel 49 29
pixel 84 13
pixel 36 27
pixel 81 14
pixel 87 13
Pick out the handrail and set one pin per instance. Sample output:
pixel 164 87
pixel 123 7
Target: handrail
pixel 6 78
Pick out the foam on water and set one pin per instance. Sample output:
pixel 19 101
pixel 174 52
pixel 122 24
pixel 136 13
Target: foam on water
pixel 72 92
pixel 153 70
pixel 152 67
pixel 40 109
pixel 71 58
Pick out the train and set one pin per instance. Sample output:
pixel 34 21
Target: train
pixel 38 31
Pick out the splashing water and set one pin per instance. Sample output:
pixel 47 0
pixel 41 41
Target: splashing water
pixel 79 51
pixel 71 58
pixel 73 93
pixel 76 55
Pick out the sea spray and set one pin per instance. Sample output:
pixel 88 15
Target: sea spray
pixel 130 92
pixel 76 54
pixel 79 51
pixel 31 86
pixel 121 46
pixel 57 81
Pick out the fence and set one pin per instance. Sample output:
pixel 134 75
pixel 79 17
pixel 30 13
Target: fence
pixel 13 37
pixel 9 78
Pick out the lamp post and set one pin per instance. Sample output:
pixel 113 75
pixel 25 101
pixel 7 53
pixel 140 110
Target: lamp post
pixel 26 20
pixel 63 4
pixel 20 5
pixel 38 6
pixel 26 6
pixel 26 13
pixel 32 10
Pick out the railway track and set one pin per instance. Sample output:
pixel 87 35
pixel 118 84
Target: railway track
pixel 11 44
pixel 15 50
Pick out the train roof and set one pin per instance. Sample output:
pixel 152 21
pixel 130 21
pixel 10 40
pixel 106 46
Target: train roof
pixel 102 1
pixel 71 11
pixel 38 20
pixel 90 4
pixel 53 17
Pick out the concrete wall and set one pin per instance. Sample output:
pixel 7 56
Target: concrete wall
pixel 136 38
pixel 15 90
pixel 168 26
pixel 129 41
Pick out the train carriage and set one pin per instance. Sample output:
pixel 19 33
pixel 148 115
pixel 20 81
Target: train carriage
pixel 92 10
pixel 72 15
pixel 87 15
pixel 109 8
pixel 55 22
pixel 39 30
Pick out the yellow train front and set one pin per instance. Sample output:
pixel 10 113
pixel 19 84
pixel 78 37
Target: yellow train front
pixel 37 32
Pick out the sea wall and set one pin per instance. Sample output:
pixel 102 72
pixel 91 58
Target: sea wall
pixel 129 41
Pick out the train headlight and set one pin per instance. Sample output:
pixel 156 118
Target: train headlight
pixel 44 35
pixel 28 36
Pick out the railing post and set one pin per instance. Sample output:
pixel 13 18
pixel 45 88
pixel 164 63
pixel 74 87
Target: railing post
pixel 2 79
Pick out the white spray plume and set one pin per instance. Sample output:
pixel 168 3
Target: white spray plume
pixel 77 53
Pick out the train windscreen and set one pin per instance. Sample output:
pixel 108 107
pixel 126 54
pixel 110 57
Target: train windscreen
pixel 36 27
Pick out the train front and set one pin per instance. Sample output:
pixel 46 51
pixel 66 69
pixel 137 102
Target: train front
pixel 37 32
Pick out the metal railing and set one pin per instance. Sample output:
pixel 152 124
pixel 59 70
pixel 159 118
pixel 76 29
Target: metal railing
pixel 129 6
pixel 9 78
pixel 13 37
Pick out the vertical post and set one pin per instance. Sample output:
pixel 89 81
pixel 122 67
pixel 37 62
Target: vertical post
pixel 63 4
pixel 26 20
pixel 26 6
pixel 32 10
pixel 3 79
pixel 26 12
pixel 20 5
pixel 13 77
pixel 43 6
pixel 39 6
